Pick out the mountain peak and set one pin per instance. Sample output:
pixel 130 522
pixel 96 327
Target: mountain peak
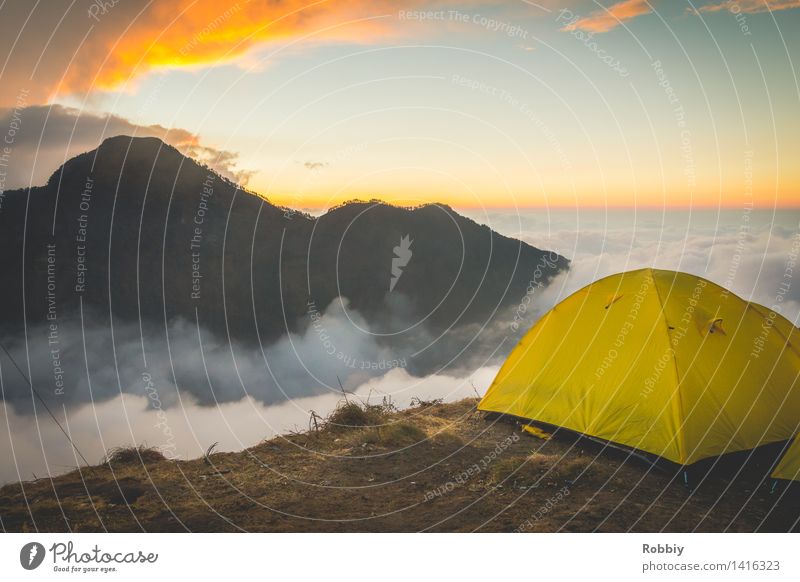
pixel 134 156
pixel 126 141
pixel 357 203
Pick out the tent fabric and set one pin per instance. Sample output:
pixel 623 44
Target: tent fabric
pixel 789 466
pixel 661 361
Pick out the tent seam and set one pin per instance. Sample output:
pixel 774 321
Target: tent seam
pixel 678 379
pixel 786 340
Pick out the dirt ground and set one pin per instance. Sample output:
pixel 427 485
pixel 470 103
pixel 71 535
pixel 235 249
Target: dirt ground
pixel 434 467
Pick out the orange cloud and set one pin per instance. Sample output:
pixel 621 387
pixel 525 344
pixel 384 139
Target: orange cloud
pixel 751 6
pixel 61 47
pixel 611 17
pixel 189 33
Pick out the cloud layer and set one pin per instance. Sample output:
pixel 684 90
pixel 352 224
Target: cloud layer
pixel 747 252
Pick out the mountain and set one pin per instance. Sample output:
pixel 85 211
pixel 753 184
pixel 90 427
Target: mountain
pixel 136 232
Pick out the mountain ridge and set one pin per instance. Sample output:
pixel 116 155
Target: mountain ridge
pixel 134 231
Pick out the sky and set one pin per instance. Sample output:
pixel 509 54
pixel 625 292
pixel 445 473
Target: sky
pixel 477 104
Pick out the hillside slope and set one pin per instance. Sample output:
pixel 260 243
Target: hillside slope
pixel 435 467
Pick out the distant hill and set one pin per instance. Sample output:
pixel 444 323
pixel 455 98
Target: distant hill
pixel 135 231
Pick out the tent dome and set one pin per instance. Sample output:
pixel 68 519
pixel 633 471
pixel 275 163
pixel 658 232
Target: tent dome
pixel 660 361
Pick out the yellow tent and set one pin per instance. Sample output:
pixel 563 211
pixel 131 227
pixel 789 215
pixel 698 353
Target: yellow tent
pixel 664 362
pixel 789 466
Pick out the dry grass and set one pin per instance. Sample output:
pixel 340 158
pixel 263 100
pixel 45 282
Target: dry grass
pixel 447 439
pixel 372 468
pixel 350 415
pixel 401 434
pixel 133 455
pixel 417 402
pixel 539 470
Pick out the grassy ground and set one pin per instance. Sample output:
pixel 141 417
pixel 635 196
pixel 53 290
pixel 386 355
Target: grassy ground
pixel 434 467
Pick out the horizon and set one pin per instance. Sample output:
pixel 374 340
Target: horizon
pixel 376 197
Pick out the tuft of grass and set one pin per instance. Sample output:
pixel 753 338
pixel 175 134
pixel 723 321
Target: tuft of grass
pixel 350 415
pixel 401 434
pixel 396 434
pixel 417 402
pixel 133 455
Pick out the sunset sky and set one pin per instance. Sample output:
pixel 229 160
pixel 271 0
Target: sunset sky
pixel 471 103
